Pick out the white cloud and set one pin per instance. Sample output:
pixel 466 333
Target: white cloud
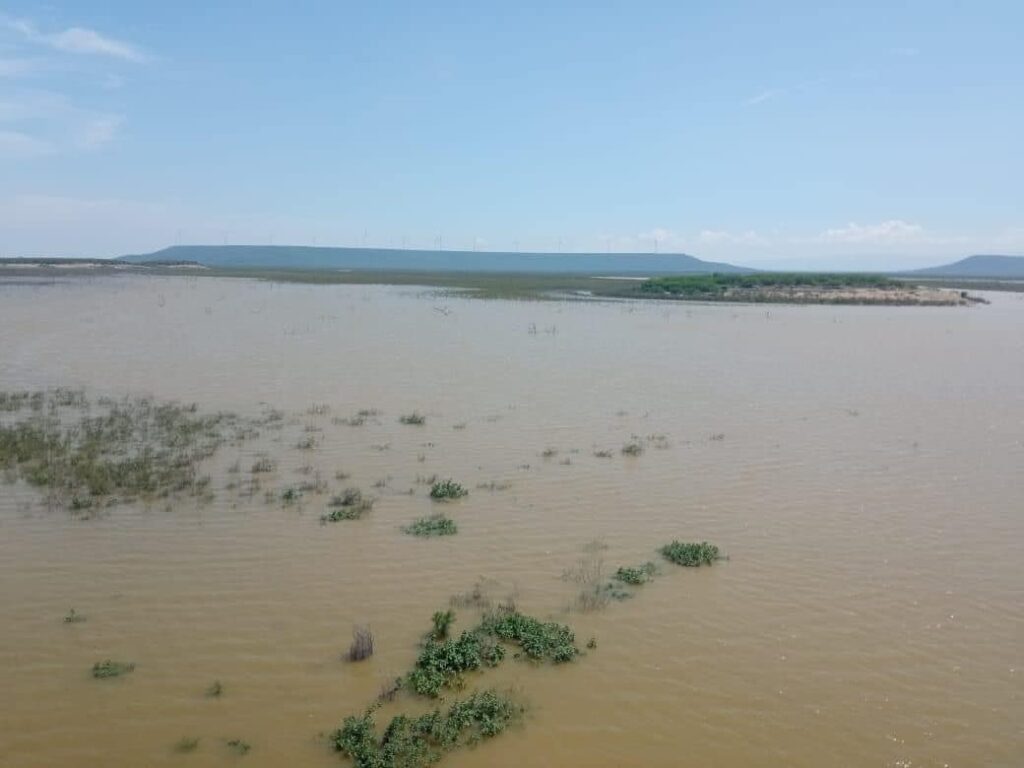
pixel 77 40
pixel 39 122
pixel 15 145
pixel 98 131
pixel 765 95
pixel 724 237
pixel 891 231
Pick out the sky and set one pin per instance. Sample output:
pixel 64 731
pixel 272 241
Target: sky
pixel 786 134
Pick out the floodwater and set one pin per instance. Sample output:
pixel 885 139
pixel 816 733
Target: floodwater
pixel 863 468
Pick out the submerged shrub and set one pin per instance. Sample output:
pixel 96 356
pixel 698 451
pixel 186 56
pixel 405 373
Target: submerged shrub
pixel 409 742
pixel 263 464
pixel 690 553
pixel 349 505
pixel 442 664
pixel 362 644
pixel 447 489
pixel 435 525
pixel 104 669
pixel 215 690
pixel 238 746
pixel 415 419
pixel 540 640
pixel 187 744
pixel 635 575
pixel 633 448
pixel 73 617
pixel 442 623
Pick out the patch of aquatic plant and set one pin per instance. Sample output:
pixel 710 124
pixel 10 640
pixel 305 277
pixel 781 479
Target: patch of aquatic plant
pixel 414 419
pixel 603 454
pixel 263 464
pixel 447 490
pixel 342 475
pixel 690 553
pixel 633 448
pixel 477 597
pixel 442 623
pixel 549 453
pixel 539 640
pixel 318 409
pixel 238 746
pixel 307 443
pixel 418 742
pixel 636 575
pixel 106 669
pixel 592 643
pixel 426 479
pixel 113 449
pixel 351 504
pixel 362 644
pixel 215 689
pixel 442 664
pixel 435 525
pixel 494 485
pixel 290 495
pixel 187 744
pixel 73 617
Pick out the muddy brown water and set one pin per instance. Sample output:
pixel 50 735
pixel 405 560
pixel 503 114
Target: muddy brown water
pixel 863 467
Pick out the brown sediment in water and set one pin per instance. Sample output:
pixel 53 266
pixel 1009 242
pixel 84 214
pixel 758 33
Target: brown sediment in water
pixel 864 490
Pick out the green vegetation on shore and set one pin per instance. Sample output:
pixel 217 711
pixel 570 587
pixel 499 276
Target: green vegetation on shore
pixel 719 286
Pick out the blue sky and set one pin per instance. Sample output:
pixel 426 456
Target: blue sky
pixel 786 134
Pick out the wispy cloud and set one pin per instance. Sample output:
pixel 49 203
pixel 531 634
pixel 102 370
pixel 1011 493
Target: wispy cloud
pixel 765 95
pixel 78 40
pixel 39 122
pixel 891 231
pixel 16 145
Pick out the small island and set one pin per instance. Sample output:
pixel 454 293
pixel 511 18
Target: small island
pixel 802 288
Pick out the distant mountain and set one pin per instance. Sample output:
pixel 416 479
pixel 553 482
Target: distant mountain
pixel 979 266
pixel 306 257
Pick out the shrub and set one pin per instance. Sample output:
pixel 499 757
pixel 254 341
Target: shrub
pixel 362 644
pixel 263 464
pixel 442 623
pixel 638 575
pixel 633 448
pixel 419 742
pixel 349 505
pixel 540 640
pixel 446 490
pixel 435 525
pixel 442 664
pixel 106 669
pixel 690 553
pixel 187 744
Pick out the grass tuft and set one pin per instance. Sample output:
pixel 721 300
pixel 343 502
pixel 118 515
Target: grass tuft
pixel 435 525
pixel 103 670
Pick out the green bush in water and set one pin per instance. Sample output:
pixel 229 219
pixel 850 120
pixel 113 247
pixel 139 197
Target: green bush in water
pixel 690 553
pixel 635 575
pixel 447 489
pixel 435 525
pixel 417 742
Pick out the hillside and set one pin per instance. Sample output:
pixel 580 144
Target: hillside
pixel 306 257
pixel 1005 267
